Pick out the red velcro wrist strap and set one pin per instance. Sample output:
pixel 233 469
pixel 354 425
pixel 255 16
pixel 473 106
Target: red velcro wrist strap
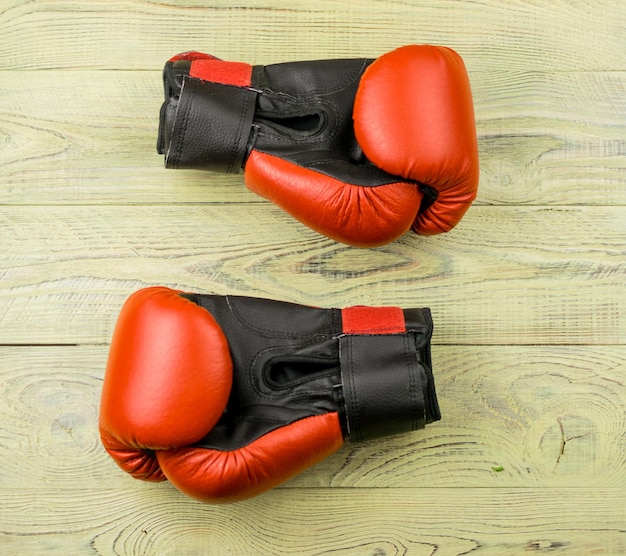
pixel 373 320
pixel 238 74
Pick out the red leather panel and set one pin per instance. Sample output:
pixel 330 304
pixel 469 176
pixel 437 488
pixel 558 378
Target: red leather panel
pixel 166 354
pixel 373 320
pixel 216 476
pixel 191 55
pixel 414 118
pixel 357 215
pixel 445 213
pixel 139 463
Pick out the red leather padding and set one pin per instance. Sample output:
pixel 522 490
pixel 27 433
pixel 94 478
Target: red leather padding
pixel 373 320
pixel 227 476
pixel 192 55
pixel 357 215
pixel 414 117
pixel 167 381
pixel 134 461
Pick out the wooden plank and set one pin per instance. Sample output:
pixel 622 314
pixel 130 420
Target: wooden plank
pixel 544 138
pixel 140 35
pixel 548 416
pixel 503 276
pixel 551 138
pixel 448 522
pixel 527 293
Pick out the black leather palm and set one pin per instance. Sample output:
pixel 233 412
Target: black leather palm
pixel 292 361
pixel 304 115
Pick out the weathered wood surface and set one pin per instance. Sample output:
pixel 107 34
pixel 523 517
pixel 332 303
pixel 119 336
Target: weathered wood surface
pixel 100 34
pixel 421 522
pixel 505 275
pixel 528 293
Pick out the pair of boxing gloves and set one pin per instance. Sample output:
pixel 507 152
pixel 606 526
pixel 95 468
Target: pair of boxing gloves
pixel 360 150
pixel 229 396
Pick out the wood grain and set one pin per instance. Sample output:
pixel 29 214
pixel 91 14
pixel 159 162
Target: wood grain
pixel 569 35
pixel 429 521
pixel 66 271
pixel 98 145
pixel 549 416
pixel 528 293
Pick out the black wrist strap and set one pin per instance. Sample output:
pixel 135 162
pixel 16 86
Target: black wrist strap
pixel 212 126
pixel 386 388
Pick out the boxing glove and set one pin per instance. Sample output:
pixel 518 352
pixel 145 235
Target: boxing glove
pixel 229 396
pixel 360 150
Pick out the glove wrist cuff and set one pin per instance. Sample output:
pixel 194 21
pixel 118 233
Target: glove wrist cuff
pixel 211 127
pixel 387 381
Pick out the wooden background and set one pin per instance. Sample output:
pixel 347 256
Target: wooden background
pixel 527 293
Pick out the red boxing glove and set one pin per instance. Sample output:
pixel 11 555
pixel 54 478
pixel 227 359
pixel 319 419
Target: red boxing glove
pixel 359 150
pixel 228 397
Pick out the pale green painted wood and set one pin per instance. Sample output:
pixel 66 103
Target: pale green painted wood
pixel 421 522
pixel 493 35
pixel 528 292
pixel 504 275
